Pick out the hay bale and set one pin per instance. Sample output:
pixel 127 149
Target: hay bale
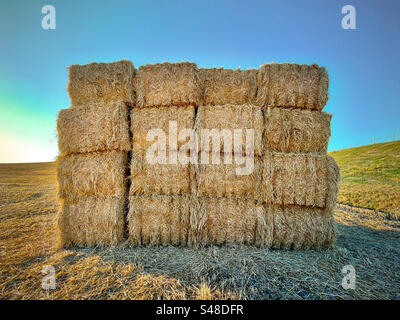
pixel 221 220
pixel 292 85
pixel 159 220
pixel 159 179
pixel 168 84
pixel 222 180
pixel 145 119
pixel 92 174
pixel 94 127
pixel 230 117
pixel 298 227
pixel 226 86
pixel 302 179
pixel 296 130
pixel 91 221
pixel 101 82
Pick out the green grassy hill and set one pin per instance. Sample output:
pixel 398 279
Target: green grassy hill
pixel 371 176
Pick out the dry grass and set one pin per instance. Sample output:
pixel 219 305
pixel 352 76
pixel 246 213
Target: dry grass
pixel 227 86
pixel 94 127
pixel 296 130
pixel 91 221
pixel 168 84
pixel 228 221
pixel 145 119
pixel 301 179
pixel 292 85
pixel 298 227
pixel 28 229
pixel 221 179
pixel 230 117
pixel 101 82
pixel 92 174
pixel 153 179
pixel 159 220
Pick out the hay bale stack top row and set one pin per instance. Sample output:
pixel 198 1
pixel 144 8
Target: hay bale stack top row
pixel 180 84
pixel 287 201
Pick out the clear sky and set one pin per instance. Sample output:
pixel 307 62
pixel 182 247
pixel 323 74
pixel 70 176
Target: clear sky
pixel 363 64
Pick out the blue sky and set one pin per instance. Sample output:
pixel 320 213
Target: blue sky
pixel 363 64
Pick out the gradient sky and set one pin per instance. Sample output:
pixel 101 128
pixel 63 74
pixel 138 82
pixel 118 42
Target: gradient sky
pixel 363 64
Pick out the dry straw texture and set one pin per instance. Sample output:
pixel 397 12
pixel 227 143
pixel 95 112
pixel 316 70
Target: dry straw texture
pixel 159 220
pixel 91 221
pixel 222 180
pixel 168 84
pixel 155 179
pixel 104 82
pixel 302 179
pixel 93 174
pixel 297 227
pixel 145 119
pixel 221 220
pixel 227 86
pixel 296 130
pixel 292 85
pixel 94 127
pixel 230 117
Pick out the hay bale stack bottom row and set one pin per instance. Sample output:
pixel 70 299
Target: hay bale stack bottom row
pixel 170 154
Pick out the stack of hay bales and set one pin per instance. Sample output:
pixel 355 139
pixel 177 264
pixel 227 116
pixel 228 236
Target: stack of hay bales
pixel 229 204
pixel 300 181
pixel 160 201
pixel 265 180
pixel 94 142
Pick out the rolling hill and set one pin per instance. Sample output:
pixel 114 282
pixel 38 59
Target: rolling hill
pixel 371 176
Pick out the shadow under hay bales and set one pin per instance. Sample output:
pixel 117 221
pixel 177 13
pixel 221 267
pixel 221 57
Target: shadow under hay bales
pixel 253 273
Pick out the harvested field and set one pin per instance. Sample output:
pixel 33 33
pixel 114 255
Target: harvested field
pixel 168 84
pixel 296 130
pixel 145 119
pixel 301 179
pixel 226 86
pixel 92 174
pixel 101 82
pixel 223 180
pixel 161 220
pixel 91 221
pixel 159 179
pixel 292 85
pixel 229 118
pixel 28 230
pixel 94 127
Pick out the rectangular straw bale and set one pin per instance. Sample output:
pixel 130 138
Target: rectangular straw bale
pixel 159 179
pixel 226 86
pixel 222 220
pixel 302 179
pixel 104 82
pixel 299 227
pixel 223 180
pixel 296 130
pixel 94 127
pixel 91 221
pixel 159 220
pixel 168 84
pixel 145 119
pixel 230 117
pixel 292 85
pixel 92 174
